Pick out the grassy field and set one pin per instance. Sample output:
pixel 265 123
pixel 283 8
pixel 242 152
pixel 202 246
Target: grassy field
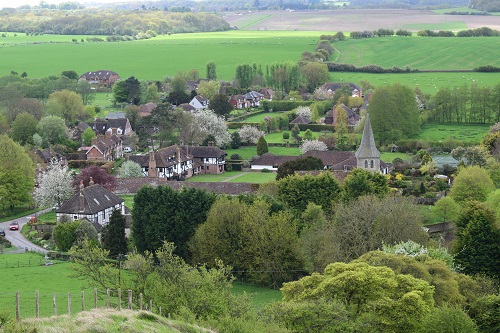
pixel 129 200
pixel 468 133
pixel 261 116
pixel 255 178
pixel 249 152
pixel 209 178
pixel 261 296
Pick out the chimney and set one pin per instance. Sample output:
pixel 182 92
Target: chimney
pixel 114 131
pixel 210 143
pixel 82 199
pixel 91 181
pixel 152 165
pixel 108 133
pixel 94 141
pixel 178 153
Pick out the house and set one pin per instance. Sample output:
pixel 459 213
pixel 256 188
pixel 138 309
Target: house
pixel 179 162
pixel 102 77
pixel 207 159
pixel 193 85
pixel 199 102
pixel 115 115
pixel 146 109
pixel 186 107
pixel 105 148
pixel 334 160
pixel 301 120
pixel 94 203
pixel 248 100
pixel 330 88
pixel 171 163
pixel 103 126
pixel 352 117
pixel 49 157
pixel 268 93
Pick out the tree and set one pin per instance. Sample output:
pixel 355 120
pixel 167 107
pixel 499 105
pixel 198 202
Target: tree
pixel 23 128
pixel 447 209
pixel 360 182
pixel 208 89
pixel 250 134
pixel 65 104
pixel 65 235
pixel 130 169
pixel 17 174
pixel 162 213
pixel 471 183
pixel 99 176
pixel 70 74
pixel 315 74
pixel 211 71
pixel 447 320
pixel 308 145
pixel 220 104
pixel 85 232
pixel 87 136
pixel 299 164
pixel 127 91
pixel 178 93
pixel 394 114
pixel 341 129
pixel 235 140
pixel 208 123
pixel 477 249
pixel 484 311
pixel 54 187
pixel 262 146
pixel 113 235
pixel 132 113
pixel 52 129
pixel 150 94
pixel 298 191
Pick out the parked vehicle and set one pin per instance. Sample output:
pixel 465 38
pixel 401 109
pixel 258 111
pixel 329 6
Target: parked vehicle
pixel 2 232
pixel 14 226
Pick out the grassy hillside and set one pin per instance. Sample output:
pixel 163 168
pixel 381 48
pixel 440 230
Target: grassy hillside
pixel 110 321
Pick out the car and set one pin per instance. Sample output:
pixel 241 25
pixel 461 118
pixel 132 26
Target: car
pixel 127 149
pixel 2 232
pixel 14 226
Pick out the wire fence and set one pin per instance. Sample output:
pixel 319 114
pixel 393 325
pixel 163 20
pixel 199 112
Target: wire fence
pixel 38 305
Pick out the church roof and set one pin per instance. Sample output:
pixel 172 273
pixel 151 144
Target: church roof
pixel 367 147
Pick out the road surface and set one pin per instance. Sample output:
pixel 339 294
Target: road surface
pixel 17 239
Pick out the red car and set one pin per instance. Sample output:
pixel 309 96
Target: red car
pixel 14 226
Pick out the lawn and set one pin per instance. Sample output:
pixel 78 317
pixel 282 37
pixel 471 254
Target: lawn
pixel 260 296
pixel 472 134
pixel 261 117
pixel 255 178
pixel 249 152
pixel 128 199
pixel 277 137
pixel 210 178
pixel 49 217
pixel 389 157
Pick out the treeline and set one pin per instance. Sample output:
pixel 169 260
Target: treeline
pixel 466 104
pixel 128 23
pixel 478 32
pixel 485 5
pixel 334 67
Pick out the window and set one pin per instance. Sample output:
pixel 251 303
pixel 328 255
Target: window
pixel 366 164
pixel 75 217
pixel 208 168
pixel 371 164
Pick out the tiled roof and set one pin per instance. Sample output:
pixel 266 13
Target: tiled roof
pixel 100 74
pixel 95 199
pixel 270 159
pixel 337 85
pixel 332 158
pixel 204 151
pixel 301 120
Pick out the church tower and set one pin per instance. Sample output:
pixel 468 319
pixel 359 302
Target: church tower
pixel 367 155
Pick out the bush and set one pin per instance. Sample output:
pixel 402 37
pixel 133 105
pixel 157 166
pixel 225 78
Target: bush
pixel 47 235
pixel 286 135
pixel 265 170
pixel 236 156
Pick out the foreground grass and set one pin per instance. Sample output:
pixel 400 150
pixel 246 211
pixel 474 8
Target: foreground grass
pixel 260 296
pixel 128 200
pixel 109 321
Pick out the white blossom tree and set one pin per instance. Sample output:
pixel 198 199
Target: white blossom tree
pixel 209 123
pixel 130 169
pixel 303 111
pixel 54 187
pixel 313 145
pixel 321 94
pixel 250 134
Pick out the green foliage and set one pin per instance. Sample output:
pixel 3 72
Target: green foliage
pixel 300 164
pixel 315 74
pixel 447 209
pixel 113 234
pixel 127 91
pixel 17 174
pixel 447 320
pixel 298 191
pixel 23 128
pixel 219 103
pixel 478 241
pixel 393 113
pixel 87 136
pixel 471 183
pixel 262 146
pixel 211 71
pixel 65 235
pixel 486 313
pixel 85 231
pixel 162 213
pixel 361 182
pixel 65 104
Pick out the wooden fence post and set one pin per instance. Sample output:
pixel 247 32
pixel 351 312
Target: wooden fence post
pixel 37 304
pixel 140 301
pixel 119 298
pixel 151 305
pixel 83 300
pixel 130 299
pixel 95 298
pixel 108 297
pixel 54 303
pixel 160 311
pixel 18 306
pixel 69 303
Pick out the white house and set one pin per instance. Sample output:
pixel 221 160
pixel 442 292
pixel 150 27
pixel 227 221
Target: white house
pixel 199 102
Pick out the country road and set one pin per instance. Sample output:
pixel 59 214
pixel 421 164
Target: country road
pixel 17 239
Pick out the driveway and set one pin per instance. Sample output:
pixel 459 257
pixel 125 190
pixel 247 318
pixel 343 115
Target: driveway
pixel 17 239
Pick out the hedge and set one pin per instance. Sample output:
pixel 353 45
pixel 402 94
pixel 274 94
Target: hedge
pixel 245 116
pixel 316 127
pixel 275 106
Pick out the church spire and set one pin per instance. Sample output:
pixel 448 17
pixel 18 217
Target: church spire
pixel 367 155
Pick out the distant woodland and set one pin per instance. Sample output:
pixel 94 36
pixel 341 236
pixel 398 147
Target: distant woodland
pixel 104 22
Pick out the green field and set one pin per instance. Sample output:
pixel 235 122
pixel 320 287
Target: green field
pixel 255 178
pixel 468 133
pixel 261 116
pixel 158 57
pixel 445 26
pixel 209 178
pixel 249 152
pixel 260 296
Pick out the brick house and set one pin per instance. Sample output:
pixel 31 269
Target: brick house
pixel 103 126
pixel 102 77
pixel 105 148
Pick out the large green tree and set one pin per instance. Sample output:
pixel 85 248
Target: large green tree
pixel 23 128
pixel 127 91
pixel 211 70
pixel 471 183
pixel 162 213
pixel 113 235
pixel 299 164
pixel 477 249
pixel 52 129
pixel 315 74
pixel 17 174
pixel 262 146
pixel 394 114
pixel 361 182
pixel 65 104
pixel 220 104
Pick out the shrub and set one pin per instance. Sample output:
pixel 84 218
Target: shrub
pixel 46 235
pixel 286 135
pixel 236 156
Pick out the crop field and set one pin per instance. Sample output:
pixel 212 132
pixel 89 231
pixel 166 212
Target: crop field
pixel 439 132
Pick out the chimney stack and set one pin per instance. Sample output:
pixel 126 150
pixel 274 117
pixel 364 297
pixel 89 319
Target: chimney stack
pixel 152 165
pixel 91 181
pixel 82 199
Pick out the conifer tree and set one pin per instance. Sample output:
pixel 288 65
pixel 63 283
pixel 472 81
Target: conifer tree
pixel 113 234
pixel 262 146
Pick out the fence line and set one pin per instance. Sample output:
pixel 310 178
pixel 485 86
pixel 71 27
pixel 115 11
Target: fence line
pixel 56 302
